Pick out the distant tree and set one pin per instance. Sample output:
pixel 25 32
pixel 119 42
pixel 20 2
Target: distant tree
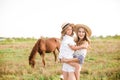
pixel 116 36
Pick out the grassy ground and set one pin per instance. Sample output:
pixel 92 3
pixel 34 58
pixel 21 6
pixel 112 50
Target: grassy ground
pixel 101 63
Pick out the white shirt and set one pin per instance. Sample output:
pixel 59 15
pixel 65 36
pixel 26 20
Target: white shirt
pixel 82 52
pixel 65 50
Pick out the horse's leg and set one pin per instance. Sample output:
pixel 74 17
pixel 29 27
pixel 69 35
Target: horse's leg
pixel 55 55
pixel 43 58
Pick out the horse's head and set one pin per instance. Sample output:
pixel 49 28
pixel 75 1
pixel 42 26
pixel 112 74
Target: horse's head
pixel 31 62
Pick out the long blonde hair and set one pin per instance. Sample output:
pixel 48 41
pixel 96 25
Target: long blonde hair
pixel 79 41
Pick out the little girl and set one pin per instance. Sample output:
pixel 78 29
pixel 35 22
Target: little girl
pixel 66 52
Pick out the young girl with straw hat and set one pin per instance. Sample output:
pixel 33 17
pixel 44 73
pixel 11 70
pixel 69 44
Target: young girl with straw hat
pixel 66 51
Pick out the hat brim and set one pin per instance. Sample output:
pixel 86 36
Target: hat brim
pixel 70 24
pixel 88 30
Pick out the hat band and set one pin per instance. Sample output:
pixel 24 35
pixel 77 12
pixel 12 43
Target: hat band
pixel 65 26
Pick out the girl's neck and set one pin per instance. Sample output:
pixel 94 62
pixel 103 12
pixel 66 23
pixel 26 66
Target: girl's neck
pixel 68 35
pixel 81 39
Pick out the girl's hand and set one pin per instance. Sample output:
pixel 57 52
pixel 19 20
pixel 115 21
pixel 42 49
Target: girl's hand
pixel 63 60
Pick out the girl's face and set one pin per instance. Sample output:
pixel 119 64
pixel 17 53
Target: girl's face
pixel 81 33
pixel 69 31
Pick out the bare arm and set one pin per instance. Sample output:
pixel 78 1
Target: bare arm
pixel 69 60
pixel 83 46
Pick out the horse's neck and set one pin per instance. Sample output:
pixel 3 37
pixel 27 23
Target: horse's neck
pixel 34 50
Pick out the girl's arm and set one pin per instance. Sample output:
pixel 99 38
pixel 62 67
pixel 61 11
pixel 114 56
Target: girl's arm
pixel 69 60
pixel 82 46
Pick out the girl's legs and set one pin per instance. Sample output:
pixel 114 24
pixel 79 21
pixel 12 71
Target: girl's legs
pixel 74 62
pixel 71 76
pixel 65 75
pixel 77 70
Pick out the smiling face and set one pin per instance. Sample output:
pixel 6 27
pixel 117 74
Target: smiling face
pixel 81 33
pixel 69 31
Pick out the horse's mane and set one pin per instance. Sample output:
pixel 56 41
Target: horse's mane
pixel 35 49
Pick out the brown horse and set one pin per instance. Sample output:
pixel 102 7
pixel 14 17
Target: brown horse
pixel 43 46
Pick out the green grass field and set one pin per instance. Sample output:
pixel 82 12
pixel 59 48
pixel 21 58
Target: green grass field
pixel 101 63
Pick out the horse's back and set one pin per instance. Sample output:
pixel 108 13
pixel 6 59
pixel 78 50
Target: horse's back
pixel 52 44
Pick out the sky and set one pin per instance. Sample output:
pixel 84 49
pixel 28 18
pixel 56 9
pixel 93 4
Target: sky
pixel 36 18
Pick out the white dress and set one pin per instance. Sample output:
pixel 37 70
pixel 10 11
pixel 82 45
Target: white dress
pixel 67 52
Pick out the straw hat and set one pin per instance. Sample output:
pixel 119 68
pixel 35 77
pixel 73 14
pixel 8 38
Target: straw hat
pixel 65 25
pixel 88 30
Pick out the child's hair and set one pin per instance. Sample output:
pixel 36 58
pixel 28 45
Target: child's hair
pixel 63 32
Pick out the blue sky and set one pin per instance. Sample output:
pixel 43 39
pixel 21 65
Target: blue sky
pixel 36 18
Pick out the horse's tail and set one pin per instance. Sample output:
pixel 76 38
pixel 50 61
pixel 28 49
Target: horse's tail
pixel 33 53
